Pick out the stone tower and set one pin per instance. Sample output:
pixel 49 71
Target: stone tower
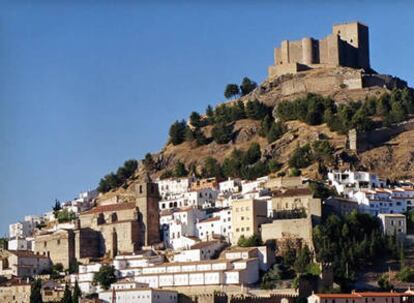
pixel 147 198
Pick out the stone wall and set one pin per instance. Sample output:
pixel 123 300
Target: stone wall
pixel 288 228
pixel 360 142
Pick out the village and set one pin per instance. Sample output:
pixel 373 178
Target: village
pixel 193 237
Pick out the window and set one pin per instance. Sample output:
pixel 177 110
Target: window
pixel 58 242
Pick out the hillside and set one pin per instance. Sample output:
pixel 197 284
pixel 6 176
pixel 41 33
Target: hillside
pixel 392 158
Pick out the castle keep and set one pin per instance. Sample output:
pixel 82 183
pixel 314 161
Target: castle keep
pixel 347 45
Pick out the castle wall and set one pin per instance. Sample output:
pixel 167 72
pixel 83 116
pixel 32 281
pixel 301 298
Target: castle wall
pixel 348 45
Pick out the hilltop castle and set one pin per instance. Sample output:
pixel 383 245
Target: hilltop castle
pixel 347 46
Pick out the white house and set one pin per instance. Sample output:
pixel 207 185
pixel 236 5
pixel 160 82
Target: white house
pixel 200 251
pixel 85 278
pixel 204 198
pixel 346 181
pixel 202 273
pixel 230 186
pixel 379 201
pixel 180 224
pixel 20 243
pixel 131 265
pixel 217 225
pixel 250 186
pixel 23 228
pixel 134 292
pixel 174 186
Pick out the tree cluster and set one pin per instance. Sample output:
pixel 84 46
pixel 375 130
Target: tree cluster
pixel 221 119
pixel 105 276
pixel 303 156
pixel 246 164
pixel 348 243
pixel 252 241
pixel 233 90
pixel 115 180
pixel 314 110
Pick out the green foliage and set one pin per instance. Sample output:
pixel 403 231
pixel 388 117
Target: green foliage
pixel 199 137
pixel 195 119
pixel 149 161
pixel 406 274
pixel 180 170
pixel 167 174
pixel 73 267
pixel 271 278
pixel 295 172
pixel 232 90
pixel 247 86
pixel 105 276
pixel 321 191
pixel 348 243
pixel 76 293
pixel 302 157
pixel 65 215
pixel 222 133
pixel 177 132
pixel 257 110
pixel 3 243
pixel 314 110
pixel 211 168
pixel 35 291
pixel 303 259
pixel 112 180
pixel 56 208
pixel 67 295
pixel 253 240
pixel 384 283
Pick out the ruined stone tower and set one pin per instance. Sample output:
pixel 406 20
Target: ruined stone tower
pixel 147 198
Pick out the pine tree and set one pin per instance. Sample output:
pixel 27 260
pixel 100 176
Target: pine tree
pixel 35 294
pixel 76 293
pixel 67 295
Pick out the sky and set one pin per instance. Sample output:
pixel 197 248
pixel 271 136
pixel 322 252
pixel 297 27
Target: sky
pixel 86 85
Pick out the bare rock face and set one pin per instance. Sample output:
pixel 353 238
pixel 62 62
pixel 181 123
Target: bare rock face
pixel 245 134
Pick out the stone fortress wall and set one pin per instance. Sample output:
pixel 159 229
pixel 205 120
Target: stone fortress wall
pixel 347 45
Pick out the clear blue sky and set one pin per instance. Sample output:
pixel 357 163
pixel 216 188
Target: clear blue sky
pixel 86 85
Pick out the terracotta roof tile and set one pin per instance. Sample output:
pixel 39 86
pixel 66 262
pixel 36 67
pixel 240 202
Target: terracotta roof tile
pixel 110 208
pixel 291 192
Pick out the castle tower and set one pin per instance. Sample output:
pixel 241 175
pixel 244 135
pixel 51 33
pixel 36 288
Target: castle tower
pixel 147 198
pixel 356 35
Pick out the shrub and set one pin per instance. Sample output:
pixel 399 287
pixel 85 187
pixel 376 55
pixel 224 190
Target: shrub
pixel 177 132
pixel 253 240
pixel 222 133
pixel 211 168
pixel 105 276
pixel 232 90
pixel 302 157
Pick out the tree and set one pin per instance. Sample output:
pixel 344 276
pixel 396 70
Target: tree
pixel 384 282
pixel 105 276
pixel 177 132
pixel 302 157
pixel 211 168
pixel 67 295
pixel 195 119
pixel 35 291
pixel 232 90
pixel 149 161
pixel 303 260
pixel 275 132
pixel 222 133
pixel 56 208
pixel 253 240
pixel 253 154
pixel 199 137
pixel 180 170
pixel 247 86
pixel 210 114
pixel 271 278
pixel 76 293
pixel 3 243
